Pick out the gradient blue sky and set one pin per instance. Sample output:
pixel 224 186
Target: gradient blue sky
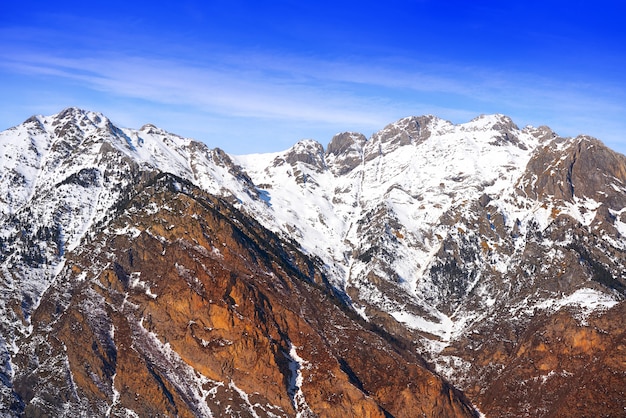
pixel 258 76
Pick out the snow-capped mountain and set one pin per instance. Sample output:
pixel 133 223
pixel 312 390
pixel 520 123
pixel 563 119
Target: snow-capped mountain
pixel 460 242
pixel 64 173
pixel 383 213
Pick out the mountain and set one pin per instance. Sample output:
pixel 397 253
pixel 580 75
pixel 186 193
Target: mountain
pixel 429 269
pixel 474 241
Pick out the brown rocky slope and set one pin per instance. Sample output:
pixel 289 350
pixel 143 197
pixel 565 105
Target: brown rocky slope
pixel 181 306
pixel 535 357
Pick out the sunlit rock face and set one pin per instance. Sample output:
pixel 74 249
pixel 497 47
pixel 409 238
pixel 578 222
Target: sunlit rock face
pixel 430 269
pixel 183 306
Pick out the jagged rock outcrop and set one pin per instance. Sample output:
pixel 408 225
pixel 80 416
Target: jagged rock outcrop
pixel 345 152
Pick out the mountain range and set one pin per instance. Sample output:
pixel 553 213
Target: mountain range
pixel 432 269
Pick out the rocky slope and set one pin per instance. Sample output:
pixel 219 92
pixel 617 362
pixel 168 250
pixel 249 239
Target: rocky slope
pixel 494 253
pixel 182 306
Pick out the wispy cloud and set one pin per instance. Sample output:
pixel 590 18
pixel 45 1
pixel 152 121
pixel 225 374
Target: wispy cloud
pixel 229 90
pixel 340 92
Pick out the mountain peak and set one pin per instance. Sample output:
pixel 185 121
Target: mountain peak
pixel 345 151
pixel 151 129
pixel 80 117
pixel 307 151
pixel 345 142
pixel 542 133
pixel 408 130
pixel 580 168
pixel 496 121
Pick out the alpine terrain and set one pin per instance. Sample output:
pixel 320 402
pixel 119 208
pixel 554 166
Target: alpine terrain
pixel 432 269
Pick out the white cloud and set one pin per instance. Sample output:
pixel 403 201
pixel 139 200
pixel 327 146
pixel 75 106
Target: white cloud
pixel 231 91
pixel 343 93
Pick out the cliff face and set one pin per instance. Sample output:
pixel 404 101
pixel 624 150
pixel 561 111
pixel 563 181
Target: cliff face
pixel 182 306
pixel 568 366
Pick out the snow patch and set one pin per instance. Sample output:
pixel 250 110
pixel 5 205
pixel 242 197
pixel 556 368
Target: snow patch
pixel 137 283
pixel 296 364
pixel 442 328
pixel 587 300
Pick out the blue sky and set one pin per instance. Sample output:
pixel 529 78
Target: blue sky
pixel 258 76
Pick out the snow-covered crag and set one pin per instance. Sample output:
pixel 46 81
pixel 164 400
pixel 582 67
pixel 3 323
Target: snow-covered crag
pixel 60 175
pixel 428 222
pixel 463 242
